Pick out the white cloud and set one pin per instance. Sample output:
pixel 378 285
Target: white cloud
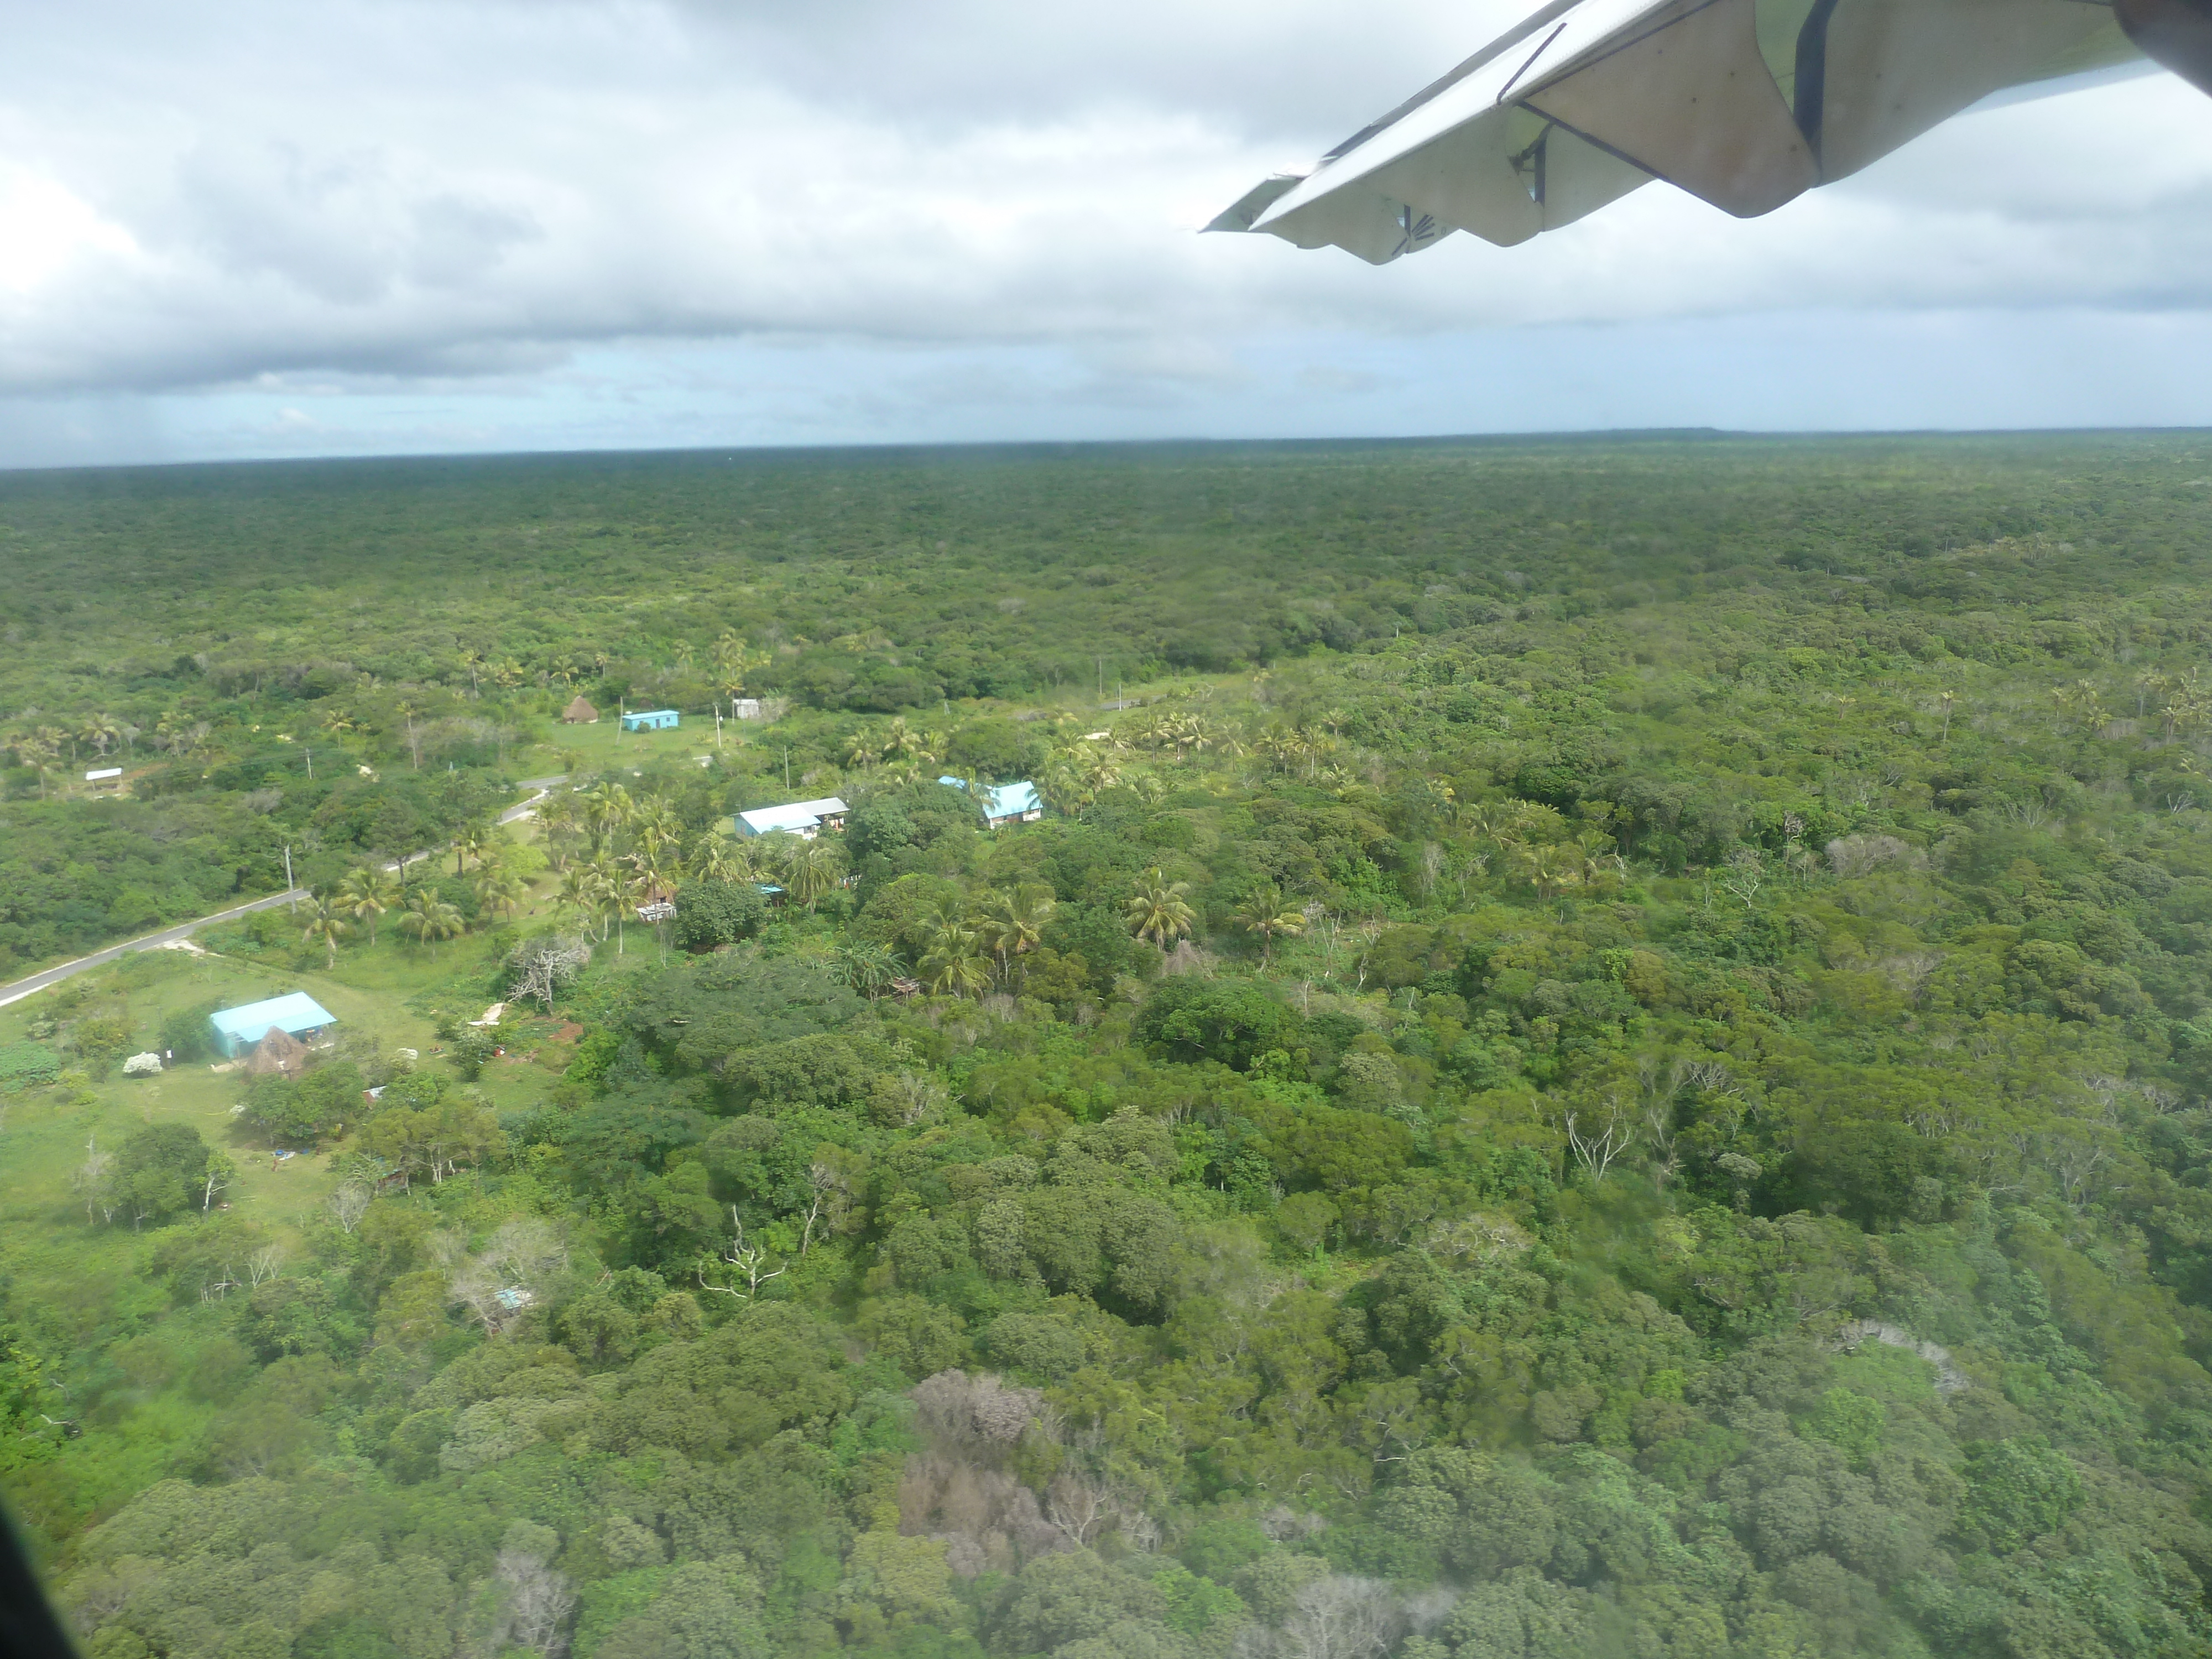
pixel 368 196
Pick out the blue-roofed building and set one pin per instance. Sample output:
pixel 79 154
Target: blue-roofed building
pixel 237 1030
pixel 1005 803
pixel 652 720
pixel 803 818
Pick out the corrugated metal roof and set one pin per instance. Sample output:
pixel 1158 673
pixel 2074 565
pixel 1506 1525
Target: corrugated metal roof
pixel 297 1013
pixel 798 815
pixel 1005 800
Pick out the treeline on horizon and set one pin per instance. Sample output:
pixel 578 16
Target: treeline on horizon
pixel 1647 1097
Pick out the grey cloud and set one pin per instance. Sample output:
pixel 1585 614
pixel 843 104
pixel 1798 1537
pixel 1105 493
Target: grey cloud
pixel 405 192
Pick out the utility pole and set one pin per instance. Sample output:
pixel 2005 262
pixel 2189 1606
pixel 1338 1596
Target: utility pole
pixel 288 887
pixel 787 771
pixel 311 765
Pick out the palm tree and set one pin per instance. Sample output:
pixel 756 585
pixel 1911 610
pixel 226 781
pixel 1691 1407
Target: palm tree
pixel 734 660
pixel 606 888
pixel 430 919
pixel 579 893
pixel 955 968
pixel 1009 925
pixel 813 869
pixel 327 923
pixel 36 752
pixel 867 968
pixel 1157 909
pixel 102 731
pixel 1550 868
pixel 556 816
pixel 366 894
pixel 860 753
pixel 942 928
pixel 1059 786
pixel 1264 912
pixel 477 842
pixel 497 890
pixel 607 809
pixel 717 858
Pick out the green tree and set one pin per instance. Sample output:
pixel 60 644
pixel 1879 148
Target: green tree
pixel 1159 909
pixel 326 925
pixel 1264 915
pixel 430 919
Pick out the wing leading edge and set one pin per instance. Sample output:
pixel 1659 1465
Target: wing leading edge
pixel 1744 104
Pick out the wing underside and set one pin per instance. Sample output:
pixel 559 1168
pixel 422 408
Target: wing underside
pixel 1746 104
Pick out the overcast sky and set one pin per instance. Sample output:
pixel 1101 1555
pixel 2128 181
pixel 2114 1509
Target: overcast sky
pixel 363 226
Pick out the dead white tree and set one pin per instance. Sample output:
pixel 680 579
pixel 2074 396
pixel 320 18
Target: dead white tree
pixel 264 1264
pixel 1341 1617
pixel 537 1603
pixel 746 1261
pixel 1610 1132
pixel 348 1204
pixel 1077 1507
pixel 541 966
pixel 93 1183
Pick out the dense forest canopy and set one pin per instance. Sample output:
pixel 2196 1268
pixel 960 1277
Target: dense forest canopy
pixel 1605 1050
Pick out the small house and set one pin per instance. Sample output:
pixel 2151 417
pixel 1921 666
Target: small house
pixel 1005 803
pixel 238 1030
pixel 581 712
pixel 652 720
pixel 803 818
pixel 745 708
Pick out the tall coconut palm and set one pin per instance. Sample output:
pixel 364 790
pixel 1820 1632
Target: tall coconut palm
pixel 1264 915
pixel 1012 925
pixel 867 968
pixel 103 732
pixel 717 858
pixel 1059 786
pixel 609 887
pixel 942 927
pixel 956 969
pixel 580 896
pixel 813 870
pixel 1550 868
pixel 558 815
pixel 498 891
pixel 326 925
pixel 607 808
pixel 1159 910
pixel 35 750
pixel 366 894
pixel 477 842
pixel 430 919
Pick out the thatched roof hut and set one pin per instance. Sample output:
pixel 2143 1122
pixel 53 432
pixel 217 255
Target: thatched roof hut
pixel 581 712
pixel 279 1051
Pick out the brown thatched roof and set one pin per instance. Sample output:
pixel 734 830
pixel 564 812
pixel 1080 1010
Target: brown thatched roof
pixel 580 712
pixel 279 1051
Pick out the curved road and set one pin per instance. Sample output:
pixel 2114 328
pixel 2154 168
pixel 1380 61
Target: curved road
pixel 17 991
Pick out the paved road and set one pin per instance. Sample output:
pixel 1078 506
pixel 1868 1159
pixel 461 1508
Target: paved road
pixel 23 988
pixel 17 991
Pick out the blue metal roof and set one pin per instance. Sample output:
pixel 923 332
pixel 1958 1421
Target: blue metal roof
pixel 292 1014
pixel 1005 800
pixel 799 815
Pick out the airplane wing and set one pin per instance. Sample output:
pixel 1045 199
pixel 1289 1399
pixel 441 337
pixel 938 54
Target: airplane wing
pixel 1746 104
